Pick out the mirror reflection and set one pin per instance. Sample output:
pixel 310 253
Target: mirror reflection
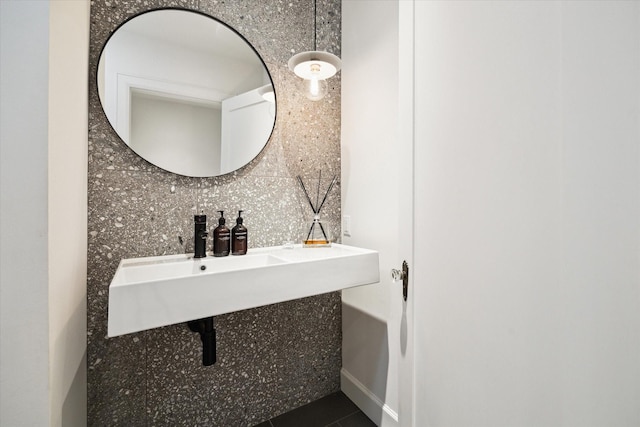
pixel 186 92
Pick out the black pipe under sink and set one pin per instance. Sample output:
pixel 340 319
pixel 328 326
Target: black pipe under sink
pixel 208 336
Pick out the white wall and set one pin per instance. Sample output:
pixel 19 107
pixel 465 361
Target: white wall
pixel 67 165
pixel 528 228
pixel 168 133
pixel 242 143
pixel 24 308
pixel 43 132
pixel 371 315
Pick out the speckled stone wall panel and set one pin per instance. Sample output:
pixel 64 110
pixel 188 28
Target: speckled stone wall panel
pixel 270 359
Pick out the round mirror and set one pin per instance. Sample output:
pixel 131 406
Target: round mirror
pixel 186 92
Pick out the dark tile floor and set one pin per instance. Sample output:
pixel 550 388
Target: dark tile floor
pixel 334 410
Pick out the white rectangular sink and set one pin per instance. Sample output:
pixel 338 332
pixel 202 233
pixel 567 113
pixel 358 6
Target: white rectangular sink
pixel 151 292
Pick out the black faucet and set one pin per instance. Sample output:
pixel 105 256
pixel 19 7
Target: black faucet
pixel 200 240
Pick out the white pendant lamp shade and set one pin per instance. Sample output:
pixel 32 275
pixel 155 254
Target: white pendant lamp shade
pixel 314 65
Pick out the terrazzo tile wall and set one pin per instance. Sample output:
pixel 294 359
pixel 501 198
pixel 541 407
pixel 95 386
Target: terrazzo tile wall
pixel 270 359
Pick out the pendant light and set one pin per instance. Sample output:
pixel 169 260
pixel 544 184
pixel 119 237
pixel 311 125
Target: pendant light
pixel 314 67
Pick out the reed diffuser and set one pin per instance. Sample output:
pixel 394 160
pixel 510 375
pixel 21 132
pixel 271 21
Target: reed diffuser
pixel 317 235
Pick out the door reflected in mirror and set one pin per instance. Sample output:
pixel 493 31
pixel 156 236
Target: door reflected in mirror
pixel 186 92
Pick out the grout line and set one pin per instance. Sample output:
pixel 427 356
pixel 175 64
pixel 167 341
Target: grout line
pixel 343 418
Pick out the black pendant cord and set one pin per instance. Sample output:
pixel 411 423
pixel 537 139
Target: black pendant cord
pixel 315 24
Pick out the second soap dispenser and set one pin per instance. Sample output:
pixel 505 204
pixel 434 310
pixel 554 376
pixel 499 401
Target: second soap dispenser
pixel 239 237
pixel 221 237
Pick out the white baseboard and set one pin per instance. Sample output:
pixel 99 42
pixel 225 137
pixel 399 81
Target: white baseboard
pixel 369 403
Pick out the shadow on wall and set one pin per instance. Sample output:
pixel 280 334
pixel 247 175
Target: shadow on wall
pixel 68 363
pixel 366 354
pixel 76 401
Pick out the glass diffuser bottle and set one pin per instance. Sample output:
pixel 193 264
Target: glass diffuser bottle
pixel 316 234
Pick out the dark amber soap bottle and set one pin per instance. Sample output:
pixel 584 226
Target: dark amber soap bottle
pixel 221 237
pixel 239 237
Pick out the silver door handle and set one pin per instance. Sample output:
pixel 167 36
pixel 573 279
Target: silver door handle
pixel 403 275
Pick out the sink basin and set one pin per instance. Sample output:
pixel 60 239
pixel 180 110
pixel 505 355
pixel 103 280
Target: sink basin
pixel 151 292
pixel 139 270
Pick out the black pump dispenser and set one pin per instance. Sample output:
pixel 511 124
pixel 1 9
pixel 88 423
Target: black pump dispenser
pixel 239 237
pixel 221 237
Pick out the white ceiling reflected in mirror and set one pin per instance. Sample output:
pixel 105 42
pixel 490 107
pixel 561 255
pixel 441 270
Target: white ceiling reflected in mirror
pixel 186 92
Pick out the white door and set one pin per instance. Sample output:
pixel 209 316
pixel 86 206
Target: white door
pixel 241 141
pixel 520 131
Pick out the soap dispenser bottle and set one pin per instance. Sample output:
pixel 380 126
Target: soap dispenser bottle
pixel 221 237
pixel 239 237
